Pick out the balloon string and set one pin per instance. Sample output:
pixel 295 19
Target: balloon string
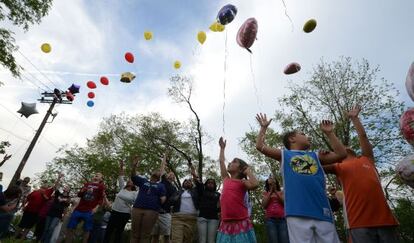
pixel 259 106
pixel 287 15
pixel 224 83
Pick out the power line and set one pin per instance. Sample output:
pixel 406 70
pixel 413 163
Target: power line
pixel 37 68
pixel 17 136
pixel 27 124
pixel 30 81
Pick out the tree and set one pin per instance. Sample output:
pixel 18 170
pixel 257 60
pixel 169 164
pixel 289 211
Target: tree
pixel 120 137
pixel 23 14
pixel 3 146
pixel 181 91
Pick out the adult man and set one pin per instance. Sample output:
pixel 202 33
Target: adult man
pixel 370 219
pixel 150 197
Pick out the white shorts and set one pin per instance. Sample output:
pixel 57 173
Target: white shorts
pixel 163 225
pixel 307 230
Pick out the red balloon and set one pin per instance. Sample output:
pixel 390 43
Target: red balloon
pixel 407 125
pixel 69 96
pixel 247 33
pixel 91 85
pixel 104 80
pixel 129 57
pixel 91 95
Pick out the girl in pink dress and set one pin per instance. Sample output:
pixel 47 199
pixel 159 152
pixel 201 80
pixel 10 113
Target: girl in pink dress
pixel 235 224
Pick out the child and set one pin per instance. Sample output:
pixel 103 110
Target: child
pixel 235 225
pixel 308 214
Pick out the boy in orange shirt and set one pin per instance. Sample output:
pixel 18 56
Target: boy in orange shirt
pixel 370 219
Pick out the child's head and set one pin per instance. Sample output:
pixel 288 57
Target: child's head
pixel 210 185
pixel 271 181
pixel 98 177
pixel 236 168
pixel 296 140
pixel 187 184
pixel 350 152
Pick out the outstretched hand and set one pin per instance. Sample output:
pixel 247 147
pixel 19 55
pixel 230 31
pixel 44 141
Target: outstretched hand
pixel 222 143
pixel 262 119
pixel 354 112
pixel 327 126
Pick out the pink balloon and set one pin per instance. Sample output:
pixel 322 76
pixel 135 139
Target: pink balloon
pixel 91 85
pixel 129 57
pixel 104 80
pixel 247 33
pixel 409 82
pixel 292 68
pixel 91 95
pixel 407 125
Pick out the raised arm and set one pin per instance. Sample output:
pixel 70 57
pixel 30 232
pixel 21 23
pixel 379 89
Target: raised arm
pixel 57 182
pixel 223 168
pixel 163 164
pixel 251 183
pixel 366 147
pixel 339 151
pixel 134 165
pixel 274 153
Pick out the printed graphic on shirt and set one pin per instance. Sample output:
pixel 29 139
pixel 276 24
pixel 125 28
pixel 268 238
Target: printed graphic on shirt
pixel 304 164
pixel 89 196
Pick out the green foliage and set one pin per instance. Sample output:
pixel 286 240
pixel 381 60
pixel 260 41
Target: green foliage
pixel 404 211
pixel 3 146
pixel 23 14
pixel 121 137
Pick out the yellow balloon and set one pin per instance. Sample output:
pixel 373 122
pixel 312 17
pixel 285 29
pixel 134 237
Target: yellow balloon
pixel 148 35
pixel 201 36
pixel 177 64
pixel 46 48
pixel 217 27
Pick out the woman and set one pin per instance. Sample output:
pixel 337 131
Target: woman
pixel 273 204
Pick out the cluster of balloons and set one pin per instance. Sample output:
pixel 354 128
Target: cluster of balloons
pixel 91 85
pixel 72 90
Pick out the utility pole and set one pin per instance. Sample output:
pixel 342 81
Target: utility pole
pixel 56 96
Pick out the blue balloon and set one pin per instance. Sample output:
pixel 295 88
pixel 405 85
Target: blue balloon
pixel 226 14
pixel 90 103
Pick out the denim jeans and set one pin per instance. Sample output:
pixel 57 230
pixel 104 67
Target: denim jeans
pixel 51 223
pixel 277 231
pixel 207 230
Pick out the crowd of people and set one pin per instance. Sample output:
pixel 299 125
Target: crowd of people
pixel 298 210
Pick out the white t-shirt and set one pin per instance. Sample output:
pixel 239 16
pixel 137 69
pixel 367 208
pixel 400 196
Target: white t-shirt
pixel 187 205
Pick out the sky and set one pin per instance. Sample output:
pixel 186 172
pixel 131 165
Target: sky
pixel 89 39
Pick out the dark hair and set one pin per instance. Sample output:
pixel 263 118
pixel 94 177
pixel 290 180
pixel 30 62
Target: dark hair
pixel 243 165
pixel 12 192
pixel 286 138
pixel 267 185
pixel 207 181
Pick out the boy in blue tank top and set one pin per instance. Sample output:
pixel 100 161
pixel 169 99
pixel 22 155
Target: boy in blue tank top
pixel 308 214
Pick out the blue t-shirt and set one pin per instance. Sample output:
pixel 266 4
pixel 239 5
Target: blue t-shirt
pixel 149 193
pixel 304 186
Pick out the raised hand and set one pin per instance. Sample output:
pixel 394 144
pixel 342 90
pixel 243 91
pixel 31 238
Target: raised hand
pixel 262 119
pixel 222 143
pixel 327 126
pixel 354 112
pixel 135 160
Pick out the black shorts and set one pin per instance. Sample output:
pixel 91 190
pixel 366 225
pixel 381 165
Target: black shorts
pixel 28 220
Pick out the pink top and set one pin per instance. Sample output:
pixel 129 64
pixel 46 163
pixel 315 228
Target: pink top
pixel 274 208
pixel 232 200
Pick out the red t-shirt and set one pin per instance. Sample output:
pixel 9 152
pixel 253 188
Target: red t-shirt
pixel 365 203
pixel 36 200
pixel 274 208
pixel 232 200
pixel 91 195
